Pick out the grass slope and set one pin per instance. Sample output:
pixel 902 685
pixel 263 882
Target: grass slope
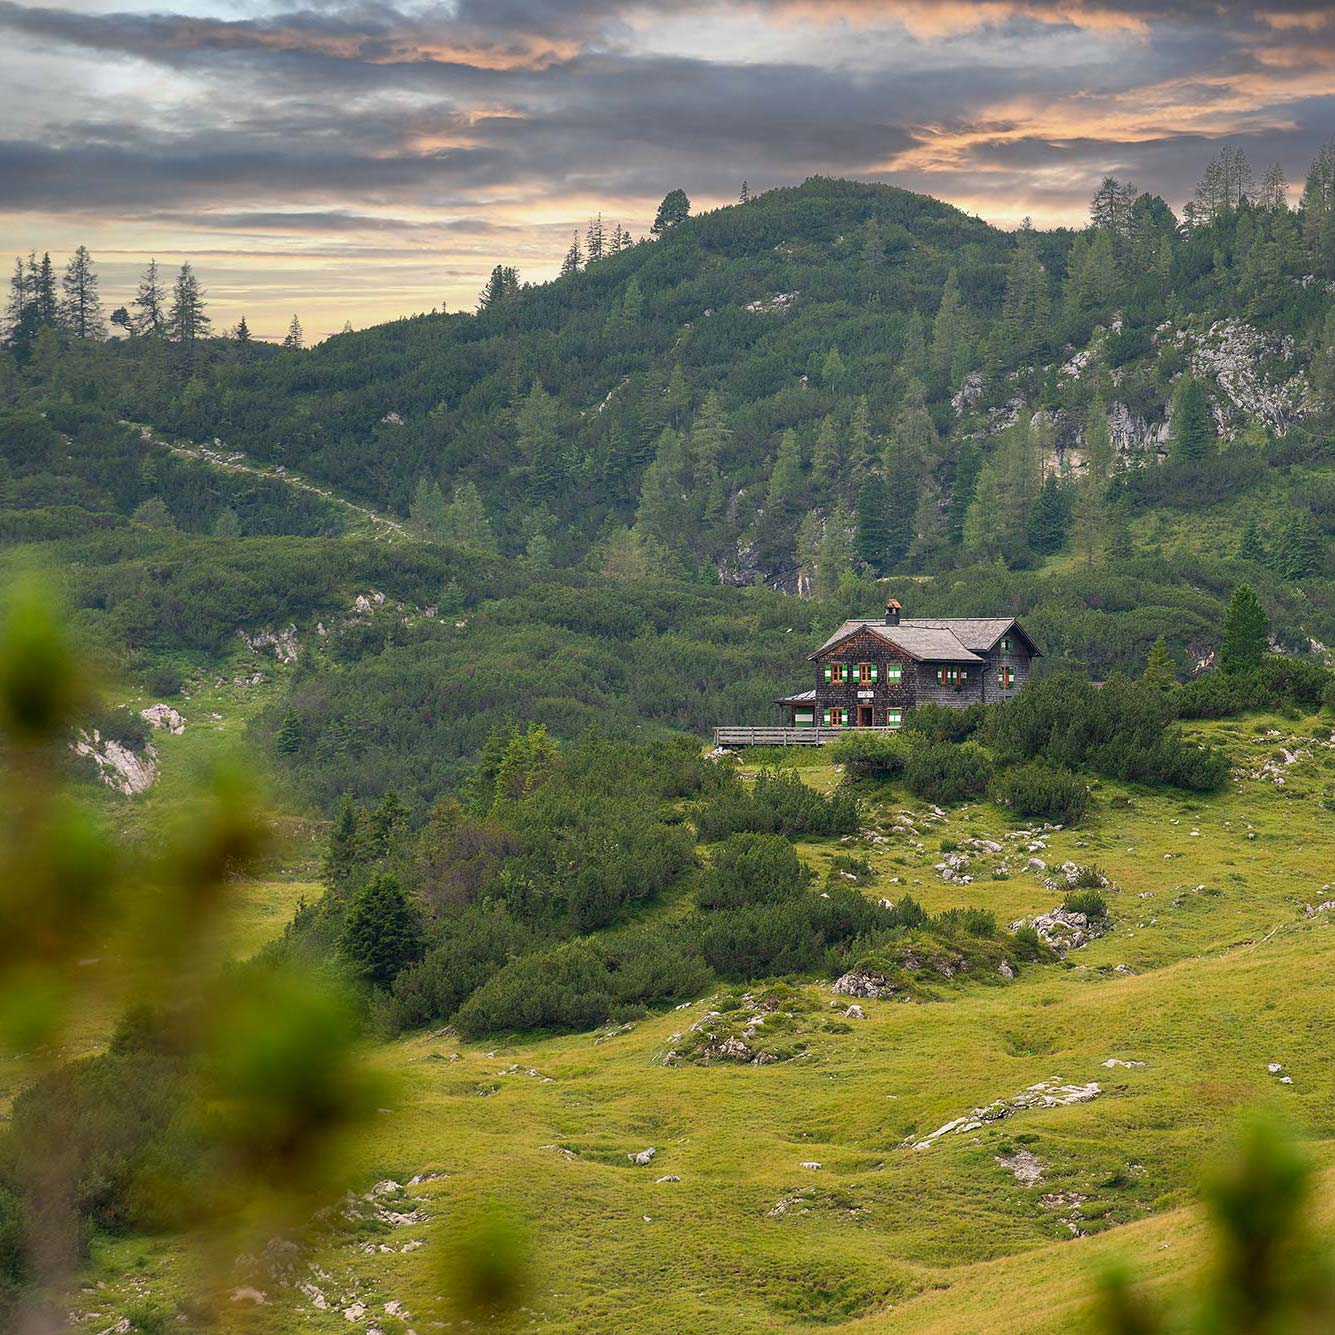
pixel 1227 974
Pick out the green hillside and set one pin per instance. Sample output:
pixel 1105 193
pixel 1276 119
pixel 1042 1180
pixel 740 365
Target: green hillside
pixel 455 602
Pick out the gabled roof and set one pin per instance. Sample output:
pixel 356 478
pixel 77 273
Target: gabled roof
pixel 934 639
pixel 932 644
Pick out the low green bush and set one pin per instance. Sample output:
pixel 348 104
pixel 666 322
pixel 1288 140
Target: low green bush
pixel 944 772
pixel 1040 790
pixel 1089 902
pixel 943 723
pixel 752 869
pixel 777 803
pixel 872 755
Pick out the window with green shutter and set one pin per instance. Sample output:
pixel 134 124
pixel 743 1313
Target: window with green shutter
pixel 1005 644
pixel 894 718
pixel 875 673
pixel 894 674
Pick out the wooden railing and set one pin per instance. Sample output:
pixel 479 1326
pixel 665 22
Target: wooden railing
pixel 785 736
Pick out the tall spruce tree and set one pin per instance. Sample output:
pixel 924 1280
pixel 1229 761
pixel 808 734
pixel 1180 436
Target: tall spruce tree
pixel 872 534
pixel 81 310
pixel 187 321
pixel 1246 638
pixel 1192 426
pixel 294 339
pixel 382 933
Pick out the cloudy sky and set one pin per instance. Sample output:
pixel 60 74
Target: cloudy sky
pixel 360 159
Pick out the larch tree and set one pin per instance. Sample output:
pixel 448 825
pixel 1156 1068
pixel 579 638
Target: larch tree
pixel 1274 189
pixel 595 240
pixel 150 303
pixel 1246 638
pixel 574 258
pixel 81 310
pixel 426 511
pixel 465 522
pixel 950 329
pixel 835 558
pixel 1160 670
pixel 871 538
pixel 538 441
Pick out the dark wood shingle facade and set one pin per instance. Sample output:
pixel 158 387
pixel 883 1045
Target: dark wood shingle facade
pixel 871 672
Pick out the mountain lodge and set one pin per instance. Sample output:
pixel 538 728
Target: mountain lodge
pixel 872 671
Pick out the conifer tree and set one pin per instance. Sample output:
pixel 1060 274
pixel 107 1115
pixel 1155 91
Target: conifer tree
pixel 745 195
pixel 538 441
pixel 227 525
pixel 382 933
pixel 290 734
pixel 950 328
pixel 573 258
pixel 825 454
pixel 42 292
pixel 861 453
pixel 710 437
pixel 1274 189
pixel 465 523
pixel 785 479
pixel 1251 547
pixel 1092 496
pixel 81 310
pixel 1024 326
pixel 150 303
pixel 1051 516
pixel 1298 552
pixel 426 512
pixel 928 525
pixel 187 321
pixel 294 338
pixel 672 212
pixel 501 287
pixel 663 517
pixel 595 240
pixel 242 334
pixel 836 553
pixel 632 305
pixel 872 537
pixel 1160 671
pixel 1193 429
pixel 347 838
pixel 967 465
pixel 1246 632
pixel 807 552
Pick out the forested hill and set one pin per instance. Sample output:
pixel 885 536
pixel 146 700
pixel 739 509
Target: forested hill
pixel 809 389
pixel 845 354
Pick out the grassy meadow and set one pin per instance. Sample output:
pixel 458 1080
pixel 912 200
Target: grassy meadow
pixel 1214 969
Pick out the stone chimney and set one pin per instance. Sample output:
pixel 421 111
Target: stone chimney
pixel 892 613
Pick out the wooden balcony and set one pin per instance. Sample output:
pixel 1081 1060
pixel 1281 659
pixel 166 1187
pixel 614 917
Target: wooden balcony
pixel 786 736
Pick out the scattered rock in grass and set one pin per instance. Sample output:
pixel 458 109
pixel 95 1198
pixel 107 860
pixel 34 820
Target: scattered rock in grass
pixel 866 983
pixel 1117 1061
pixel 1005 970
pixel 1024 1164
pixel 354 1311
pixel 559 1149
pixel 1063 929
pixel 855 1012
pixel 643 1157
pixel 1067 1204
pixel 421 1178
pixel 669 1177
pixel 163 717
pixel 246 1294
pixel 809 1164
pixel 769 1025
pixel 284 642
pixel 1051 1093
